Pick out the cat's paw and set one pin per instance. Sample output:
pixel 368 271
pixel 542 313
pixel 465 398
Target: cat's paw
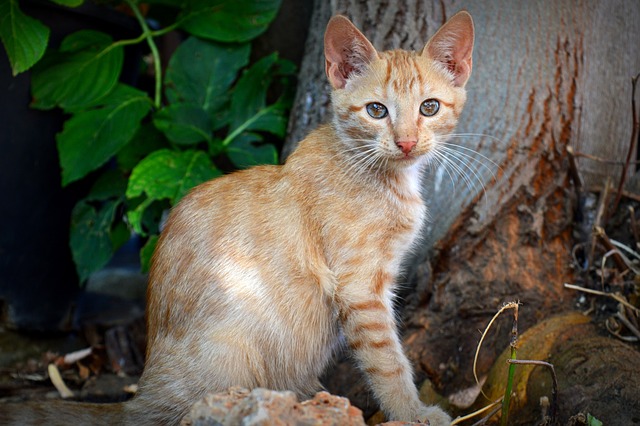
pixel 434 415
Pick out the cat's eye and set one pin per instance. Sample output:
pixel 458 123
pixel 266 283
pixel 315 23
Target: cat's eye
pixel 430 107
pixel 377 110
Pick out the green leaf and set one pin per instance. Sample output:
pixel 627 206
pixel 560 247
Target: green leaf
pixel 84 70
pixel 184 124
pixel 147 252
pixel 167 174
pixel 228 21
pixel 201 72
pixel 286 68
pixel 24 38
pixel 90 239
pixel 146 140
pixel 119 235
pixel 250 93
pixel 170 174
pixel 245 151
pixel 110 184
pixel 135 216
pixel 592 421
pixel 271 119
pixel 68 3
pixel 153 216
pixel 248 110
pixel 173 3
pixel 90 138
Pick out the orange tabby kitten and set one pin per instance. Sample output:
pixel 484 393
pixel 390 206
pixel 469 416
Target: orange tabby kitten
pixel 256 272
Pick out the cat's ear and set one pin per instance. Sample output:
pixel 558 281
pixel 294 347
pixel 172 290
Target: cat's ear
pixel 346 51
pixel 452 46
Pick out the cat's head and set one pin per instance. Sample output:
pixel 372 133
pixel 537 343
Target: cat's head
pixel 392 108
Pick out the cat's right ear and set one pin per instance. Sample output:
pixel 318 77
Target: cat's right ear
pixel 346 51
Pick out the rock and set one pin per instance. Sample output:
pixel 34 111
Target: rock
pixel 265 407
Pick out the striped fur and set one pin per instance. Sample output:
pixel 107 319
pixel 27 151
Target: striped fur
pixel 256 272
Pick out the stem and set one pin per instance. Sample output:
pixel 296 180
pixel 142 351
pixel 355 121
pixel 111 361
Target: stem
pixel 600 219
pixel 241 128
pixel 483 421
pixel 632 143
pixel 143 36
pixel 148 35
pixel 495 406
pixel 554 389
pixel 510 305
pixel 573 169
pixel 634 224
pixel 606 242
pixel 504 419
pixel 614 296
pixel 602 160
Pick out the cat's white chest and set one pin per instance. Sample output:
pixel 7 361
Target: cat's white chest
pixel 410 209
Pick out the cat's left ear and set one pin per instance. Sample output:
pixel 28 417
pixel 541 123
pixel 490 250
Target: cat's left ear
pixel 452 45
pixel 346 51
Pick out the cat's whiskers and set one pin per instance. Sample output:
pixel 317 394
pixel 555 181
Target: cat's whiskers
pixel 344 156
pixel 370 162
pixel 446 162
pixel 473 151
pixel 471 154
pixel 357 163
pixel 470 159
pixel 478 135
pixel 360 158
pixel 467 161
pixel 434 161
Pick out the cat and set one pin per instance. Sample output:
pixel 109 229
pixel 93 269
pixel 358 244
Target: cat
pixel 257 273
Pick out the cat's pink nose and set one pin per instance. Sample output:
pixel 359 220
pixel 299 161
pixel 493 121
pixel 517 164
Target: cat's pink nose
pixel 406 145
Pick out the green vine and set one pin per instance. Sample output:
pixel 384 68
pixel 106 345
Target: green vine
pixel 147 34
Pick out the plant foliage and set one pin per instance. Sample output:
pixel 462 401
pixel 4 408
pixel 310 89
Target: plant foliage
pixel 146 151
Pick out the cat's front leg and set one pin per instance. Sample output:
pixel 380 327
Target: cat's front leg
pixel 369 326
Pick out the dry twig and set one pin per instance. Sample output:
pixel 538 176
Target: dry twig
pixel 486 418
pixel 575 172
pixel 632 143
pixel 600 159
pixel 56 379
pixel 634 225
pixel 625 194
pixel 494 404
pixel 614 296
pixel 615 253
pixel 601 214
pixel 73 357
pixel 510 305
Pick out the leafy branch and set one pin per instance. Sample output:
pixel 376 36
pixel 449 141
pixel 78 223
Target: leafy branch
pixel 142 152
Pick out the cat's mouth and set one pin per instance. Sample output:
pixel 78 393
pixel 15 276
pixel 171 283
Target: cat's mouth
pixel 407 159
pixel 410 156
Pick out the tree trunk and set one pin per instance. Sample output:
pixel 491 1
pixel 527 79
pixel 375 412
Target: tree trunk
pixel 546 76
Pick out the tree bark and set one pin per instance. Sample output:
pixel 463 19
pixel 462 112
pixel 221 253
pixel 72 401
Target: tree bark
pixel 546 76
